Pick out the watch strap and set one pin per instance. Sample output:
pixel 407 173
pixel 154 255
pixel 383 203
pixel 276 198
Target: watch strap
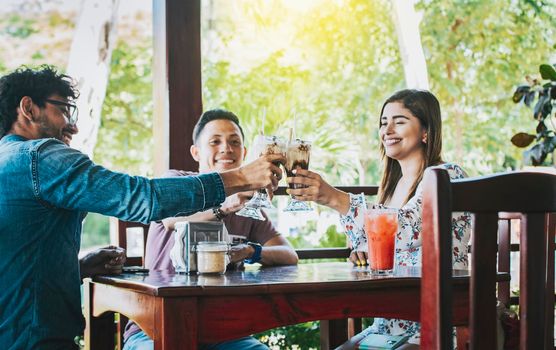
pixel 218 213
pixel 256 257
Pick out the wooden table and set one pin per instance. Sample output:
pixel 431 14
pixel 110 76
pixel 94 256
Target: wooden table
pixel 177 311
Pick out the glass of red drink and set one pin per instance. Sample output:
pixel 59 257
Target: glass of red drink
pixel 381 226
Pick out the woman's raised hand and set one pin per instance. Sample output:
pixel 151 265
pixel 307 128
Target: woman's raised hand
pixel 317 190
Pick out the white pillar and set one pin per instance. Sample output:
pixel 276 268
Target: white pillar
pixel 89 64
pixel 407 21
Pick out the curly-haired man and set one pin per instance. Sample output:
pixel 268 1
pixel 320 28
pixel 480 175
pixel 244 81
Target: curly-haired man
pixel 46 189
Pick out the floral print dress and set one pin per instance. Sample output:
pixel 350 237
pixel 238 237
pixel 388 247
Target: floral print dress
pixel 408 243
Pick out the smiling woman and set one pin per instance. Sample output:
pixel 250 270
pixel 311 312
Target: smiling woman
pixel 410 135
pixel 401 133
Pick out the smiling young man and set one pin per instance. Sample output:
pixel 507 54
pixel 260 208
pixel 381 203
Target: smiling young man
pixel 46 189
pixel 218 146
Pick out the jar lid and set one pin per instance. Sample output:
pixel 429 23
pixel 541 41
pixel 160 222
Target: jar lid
pixel 219 246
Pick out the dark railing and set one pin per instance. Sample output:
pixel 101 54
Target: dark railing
pixel 367 190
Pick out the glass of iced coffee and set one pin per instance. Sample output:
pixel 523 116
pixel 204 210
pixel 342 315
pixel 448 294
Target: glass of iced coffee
pixel 297 157
pixel 263 145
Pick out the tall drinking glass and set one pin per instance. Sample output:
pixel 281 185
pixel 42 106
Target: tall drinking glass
pixel 297 157
pixel 381 226
pixel 263 145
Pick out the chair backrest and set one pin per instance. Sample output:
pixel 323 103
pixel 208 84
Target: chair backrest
pixel 122 237
pixel 533 196
pixel 505 248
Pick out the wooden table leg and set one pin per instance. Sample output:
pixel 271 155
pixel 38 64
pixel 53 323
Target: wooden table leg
pixel 355 326
pixel 176 330
pixel 333 333
pixel 99 331
pixel 122 322
pixel 462 336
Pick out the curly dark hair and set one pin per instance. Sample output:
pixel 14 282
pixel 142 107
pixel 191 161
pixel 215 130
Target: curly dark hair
pixel 39 84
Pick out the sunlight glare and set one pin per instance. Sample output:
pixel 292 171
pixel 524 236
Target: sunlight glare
pixel 302 6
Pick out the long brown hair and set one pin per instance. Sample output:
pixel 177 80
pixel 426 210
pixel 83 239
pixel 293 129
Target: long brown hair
pixel 425 107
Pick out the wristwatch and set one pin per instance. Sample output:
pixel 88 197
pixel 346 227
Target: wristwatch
pixel 218 213
pixel 256 257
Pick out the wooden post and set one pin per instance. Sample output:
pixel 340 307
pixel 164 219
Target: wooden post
pixel 333 333
pixel 177 81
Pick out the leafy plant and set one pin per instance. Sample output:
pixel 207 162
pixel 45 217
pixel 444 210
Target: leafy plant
pixel 545 96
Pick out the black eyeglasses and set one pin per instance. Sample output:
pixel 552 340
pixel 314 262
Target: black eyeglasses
pixel 70 111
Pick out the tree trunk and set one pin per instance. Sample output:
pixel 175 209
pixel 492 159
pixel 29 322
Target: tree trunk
pixel 407 21
pixel 89 65
pixel 361 170
pixel 459 127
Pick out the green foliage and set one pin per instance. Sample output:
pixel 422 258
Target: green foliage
pixel 475 51
pixel 300 240
pixel 19 27
pixel 334 88
pixel 304 336
pixel 545 95
pixel 125 140
pixel 96 231
pixel 331 238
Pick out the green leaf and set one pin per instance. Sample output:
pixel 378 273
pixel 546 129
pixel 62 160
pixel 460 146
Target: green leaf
pixel 549 144
pixel 535 155
pixel 520 91
pixel 547 72
pixel 522 139
pixel 529 98
pixel 541 128
pixel 539 111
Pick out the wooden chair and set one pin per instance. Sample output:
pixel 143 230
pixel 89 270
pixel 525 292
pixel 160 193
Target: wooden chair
pixel 122 231
pixel 121 241
pixel 533 196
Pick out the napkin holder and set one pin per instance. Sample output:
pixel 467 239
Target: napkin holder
pixel 186 236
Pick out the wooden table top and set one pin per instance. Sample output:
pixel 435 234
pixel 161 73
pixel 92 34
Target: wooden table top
pixel 258 279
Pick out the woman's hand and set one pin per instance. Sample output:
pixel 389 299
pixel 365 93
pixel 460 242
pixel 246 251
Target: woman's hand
pixel 317 190
pixel 358 258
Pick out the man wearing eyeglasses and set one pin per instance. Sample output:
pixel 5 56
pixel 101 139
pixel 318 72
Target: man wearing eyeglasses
pixel 47 188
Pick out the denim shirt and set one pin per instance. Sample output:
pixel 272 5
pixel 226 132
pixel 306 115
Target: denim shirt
pixel 46 188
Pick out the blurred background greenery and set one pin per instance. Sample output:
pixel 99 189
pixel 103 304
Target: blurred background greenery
pixel 325 64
